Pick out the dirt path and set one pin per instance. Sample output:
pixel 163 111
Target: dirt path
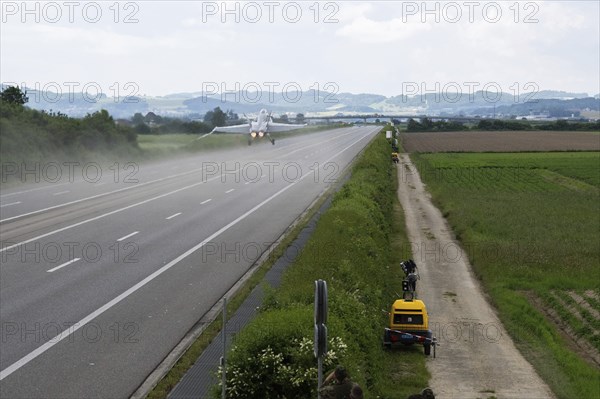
pixel 475 358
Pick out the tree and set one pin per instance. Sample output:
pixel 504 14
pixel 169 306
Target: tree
pixel 137 119
pixel 414 126
pixel 299 118
pixel 232 116
pixel 151 117
pixel 142 128
pixel 208 116
pixel 14 95
pixel 216 117
pixel 427 124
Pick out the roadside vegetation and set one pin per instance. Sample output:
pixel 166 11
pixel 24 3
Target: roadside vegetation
pixel 352 249
pixel 529 223
pixel 31 135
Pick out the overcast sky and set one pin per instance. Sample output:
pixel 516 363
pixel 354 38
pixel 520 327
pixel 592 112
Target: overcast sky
pixel 359 47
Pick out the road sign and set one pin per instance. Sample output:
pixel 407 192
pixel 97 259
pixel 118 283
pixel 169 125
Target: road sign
pixel 320 302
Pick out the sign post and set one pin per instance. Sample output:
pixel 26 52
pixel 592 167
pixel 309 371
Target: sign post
pixel 320 345
pixel 224 357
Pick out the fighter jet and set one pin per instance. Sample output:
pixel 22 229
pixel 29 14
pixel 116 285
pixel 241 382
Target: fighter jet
pixel 262 126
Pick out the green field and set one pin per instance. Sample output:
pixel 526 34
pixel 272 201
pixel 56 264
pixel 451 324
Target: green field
pixel 530 224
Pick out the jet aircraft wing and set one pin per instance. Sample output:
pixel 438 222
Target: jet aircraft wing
pixel 283 127
pixel 245 128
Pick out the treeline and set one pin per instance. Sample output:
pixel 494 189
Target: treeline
pixel 28 134
pixel 428 125
pixel 156 124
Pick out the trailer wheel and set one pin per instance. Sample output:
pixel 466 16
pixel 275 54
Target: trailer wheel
pixel 427 350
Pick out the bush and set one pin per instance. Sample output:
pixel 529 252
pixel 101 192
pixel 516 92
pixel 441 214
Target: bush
pixel 29 135
pixel 273 357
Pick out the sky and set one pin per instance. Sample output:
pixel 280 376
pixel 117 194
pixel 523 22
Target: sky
pixel 390 47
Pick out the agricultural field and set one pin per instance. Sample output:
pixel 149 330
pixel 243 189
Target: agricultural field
pixel 530 225
pixel 504 141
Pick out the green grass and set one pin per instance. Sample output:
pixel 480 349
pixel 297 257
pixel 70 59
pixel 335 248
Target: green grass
pixel 594 303
pixel 530 223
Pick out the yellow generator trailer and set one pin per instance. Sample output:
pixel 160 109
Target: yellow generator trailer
pixel 408 325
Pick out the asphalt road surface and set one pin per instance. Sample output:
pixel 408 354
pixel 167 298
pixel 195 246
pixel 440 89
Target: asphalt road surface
pixel 104 269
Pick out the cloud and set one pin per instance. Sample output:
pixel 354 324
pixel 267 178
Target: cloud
pixel 170 41
pixel 365 30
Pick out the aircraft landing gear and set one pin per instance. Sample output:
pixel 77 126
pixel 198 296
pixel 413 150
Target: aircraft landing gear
pixel 272 140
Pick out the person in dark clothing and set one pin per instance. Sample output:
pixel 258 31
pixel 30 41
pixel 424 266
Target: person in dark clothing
pixel 337 385
pixel 412 281
pixel 408 266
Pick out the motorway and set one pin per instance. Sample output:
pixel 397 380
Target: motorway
pixel 104 270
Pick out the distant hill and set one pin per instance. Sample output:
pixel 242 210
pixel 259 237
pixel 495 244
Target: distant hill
pixel 552 108
pixel 195 104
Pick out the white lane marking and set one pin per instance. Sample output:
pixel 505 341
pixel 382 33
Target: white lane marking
pixel 99 195
pixel 230 190
pixel 105 214
pixel 173 216
pixel 248 182
pixel 12 203
pixel 64 334
pixel 127 236
pixel 63 265
pixel 49 344
pixel 33 189
pixel 205 201
pixel 317 143
pixel 144 202
pixel 61 192
pixel 100 184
